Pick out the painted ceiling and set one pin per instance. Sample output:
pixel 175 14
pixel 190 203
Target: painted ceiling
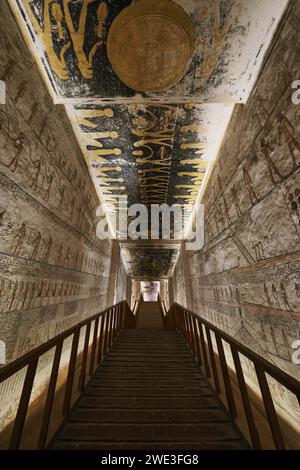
pixel 155 147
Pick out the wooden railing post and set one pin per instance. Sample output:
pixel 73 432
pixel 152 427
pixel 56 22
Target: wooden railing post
pixel 178 319
pixel 112 319
pixel 105 334
pixel 185 323
pixel 189 332
pixel 255 439
pixel 197 339
pixel 226 377
pixel 123 310
pixel 71 372
pixel 270 409
pixel 81 382
pixel 100 342
pixel 192 335
pixel 119 319
pixel 212 360
pixel 23 405
pixel 50 397
pixel 204 352
pixel 94 346
pixel 111 336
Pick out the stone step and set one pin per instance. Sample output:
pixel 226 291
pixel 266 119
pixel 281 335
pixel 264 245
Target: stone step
pixel 151 348
pixel 148 334
pixel 173 357
pixel 128 375
pixel 115 366
pixel 103 415
pixel 148 432
pixel 146 392
pixel 188 360
pixel 150 352
pixel 170 402
pixel 146 383
pixel 162 445
pixel 148 331
pixel 157 343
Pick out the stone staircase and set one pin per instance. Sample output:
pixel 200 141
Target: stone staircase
pixel 149 394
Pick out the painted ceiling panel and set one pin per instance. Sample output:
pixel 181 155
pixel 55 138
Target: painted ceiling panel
pixel 152 262
pixel 69 37
pixel 151 153
pixel 153 148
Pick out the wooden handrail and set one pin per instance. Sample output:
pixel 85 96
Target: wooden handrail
pixel 192 327
pixel 111 322
pixel 162 306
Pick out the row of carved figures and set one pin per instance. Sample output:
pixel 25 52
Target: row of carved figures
pixel 24 294
pixel 71 197
pixel 221 216
pixel 276 296
pixel 29 243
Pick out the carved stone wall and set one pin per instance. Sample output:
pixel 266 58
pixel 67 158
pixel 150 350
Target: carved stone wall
pixel 246 279
pixel 54 272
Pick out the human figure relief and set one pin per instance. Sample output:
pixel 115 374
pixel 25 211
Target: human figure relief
pixel 294 199
pixel 67 257
pixel 226 208
pixel 284 296
pixel 267 296
pixel 85 64
pixel 37 165
pixel 49 181
pixel 4 129
pixel 59 254
pixel 25 295
pixel 275 297
pixel 18 240
pixel 48 250
pixel 235 200
pixel 19 143
pixel 61 191
pixel 35 246
pixel 32 295
pixel 261 114
pixel 249 185
pixel 72 207
pixel 267 150
pixel 286 131
pixel 52 11
pixel 13 295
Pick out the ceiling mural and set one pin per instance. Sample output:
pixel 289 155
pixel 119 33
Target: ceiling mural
pixel 69 39
pixel 151 153
pixel 149 145
pixel 154 260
